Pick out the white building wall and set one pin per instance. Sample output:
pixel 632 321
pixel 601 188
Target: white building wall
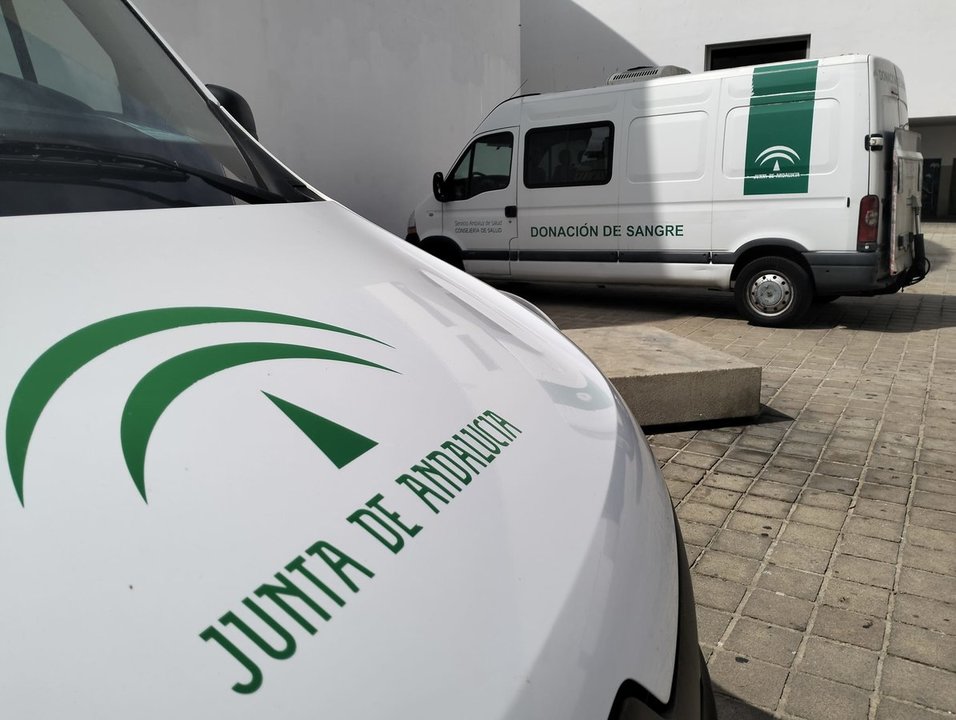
pixel 567 44
pixel 363 98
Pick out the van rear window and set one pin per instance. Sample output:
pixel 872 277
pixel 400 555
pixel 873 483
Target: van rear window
pixel 567 155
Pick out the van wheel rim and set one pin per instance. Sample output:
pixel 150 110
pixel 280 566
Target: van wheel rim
pixel 770 294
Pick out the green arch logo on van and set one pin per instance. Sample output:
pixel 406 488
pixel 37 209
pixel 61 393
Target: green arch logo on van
pixel 778 153
pixel 158 388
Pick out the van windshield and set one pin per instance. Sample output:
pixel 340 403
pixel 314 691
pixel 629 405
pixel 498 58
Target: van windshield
pixel 94 115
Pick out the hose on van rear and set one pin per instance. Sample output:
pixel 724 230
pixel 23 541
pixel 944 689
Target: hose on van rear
pixel 921 264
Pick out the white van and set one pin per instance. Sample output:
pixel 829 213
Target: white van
pixel 264 460
pixel 780 182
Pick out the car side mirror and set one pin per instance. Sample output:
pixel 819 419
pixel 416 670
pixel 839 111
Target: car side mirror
pixel 438 187
pixel 236 105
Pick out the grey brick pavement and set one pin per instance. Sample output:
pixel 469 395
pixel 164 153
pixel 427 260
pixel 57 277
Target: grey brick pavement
pixel 822 536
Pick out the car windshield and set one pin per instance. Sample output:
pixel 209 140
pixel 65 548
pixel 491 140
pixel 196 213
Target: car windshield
pixel 95 115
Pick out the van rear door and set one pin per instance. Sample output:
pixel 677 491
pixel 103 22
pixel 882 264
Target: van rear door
pixel 905 199
pixel 896 171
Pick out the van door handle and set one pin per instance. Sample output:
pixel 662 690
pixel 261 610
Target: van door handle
pixel 511 211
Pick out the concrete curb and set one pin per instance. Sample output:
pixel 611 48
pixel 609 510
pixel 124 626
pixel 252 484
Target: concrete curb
pixel 666 379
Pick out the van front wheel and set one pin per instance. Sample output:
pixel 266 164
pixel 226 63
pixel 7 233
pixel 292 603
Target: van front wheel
pixel 446 251
pixel 772 291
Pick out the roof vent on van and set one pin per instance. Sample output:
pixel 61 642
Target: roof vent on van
pixel 645 72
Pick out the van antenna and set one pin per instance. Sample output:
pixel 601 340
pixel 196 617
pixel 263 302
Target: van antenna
pixel 517 90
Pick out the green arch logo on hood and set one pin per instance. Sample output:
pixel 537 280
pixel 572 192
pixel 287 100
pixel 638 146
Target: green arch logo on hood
pixel 158 388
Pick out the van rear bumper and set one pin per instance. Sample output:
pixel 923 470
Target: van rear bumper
pixel 844 273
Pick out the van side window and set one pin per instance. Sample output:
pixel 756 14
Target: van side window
pixel 484 166
pixel 568 155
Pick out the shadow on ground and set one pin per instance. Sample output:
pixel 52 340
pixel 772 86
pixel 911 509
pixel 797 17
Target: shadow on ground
pixel 938 254
pixel 624 305
pixel 766 416
pixel 730 707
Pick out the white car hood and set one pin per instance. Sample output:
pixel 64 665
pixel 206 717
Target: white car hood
pixel 191 432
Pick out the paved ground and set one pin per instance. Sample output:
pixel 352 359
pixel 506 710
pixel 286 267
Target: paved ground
pixel 822 536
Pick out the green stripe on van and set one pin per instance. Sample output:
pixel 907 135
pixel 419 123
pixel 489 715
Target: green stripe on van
pixel 779 129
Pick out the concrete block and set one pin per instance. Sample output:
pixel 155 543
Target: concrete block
pixel 794 583
pixel 849 627
pixel 918 683
pixel 818 699
pixel 727 566
pixel 800 557
pixel 924 646
pixel 717 593
pixel 766 642
pixel 666 379
pixel 711 624
pixel 856 597
pixel 779 609
pixel 926 613
pixel 753 681
pixel 844 663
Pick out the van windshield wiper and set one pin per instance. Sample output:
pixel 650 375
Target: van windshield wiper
pixel 25 157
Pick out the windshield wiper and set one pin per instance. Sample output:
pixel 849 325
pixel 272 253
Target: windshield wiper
pixel 27 157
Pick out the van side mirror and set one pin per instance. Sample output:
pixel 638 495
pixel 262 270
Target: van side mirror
pixel 236 105
pixel 438 187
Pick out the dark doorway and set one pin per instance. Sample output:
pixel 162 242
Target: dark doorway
pixel 756 52
pixel 930 200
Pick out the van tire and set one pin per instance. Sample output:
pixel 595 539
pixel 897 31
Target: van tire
pixel 773 291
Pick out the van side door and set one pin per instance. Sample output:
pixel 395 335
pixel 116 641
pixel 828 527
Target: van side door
pixel 478 212
pixel 568 202
pixel 667 183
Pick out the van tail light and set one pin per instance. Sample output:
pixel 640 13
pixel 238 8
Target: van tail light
pixel 868 228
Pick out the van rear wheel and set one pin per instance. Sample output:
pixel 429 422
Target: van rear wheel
pixel 773 291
